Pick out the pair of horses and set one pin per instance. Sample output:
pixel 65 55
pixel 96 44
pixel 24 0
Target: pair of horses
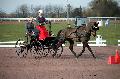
pixel 81 34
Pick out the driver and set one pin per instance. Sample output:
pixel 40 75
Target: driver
pixel 41 21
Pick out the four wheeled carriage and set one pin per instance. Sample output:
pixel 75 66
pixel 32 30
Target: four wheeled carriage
pixel 39 48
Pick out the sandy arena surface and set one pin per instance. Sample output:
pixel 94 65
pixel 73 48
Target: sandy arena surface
pixel 65 67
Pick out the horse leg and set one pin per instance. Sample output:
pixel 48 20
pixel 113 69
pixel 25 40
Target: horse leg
pixel 90 50
pixel 71 46
pixel 84 45
pixel 71 49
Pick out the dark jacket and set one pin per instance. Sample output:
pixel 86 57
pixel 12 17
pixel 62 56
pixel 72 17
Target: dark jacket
pixel 41 20
pixel 29 26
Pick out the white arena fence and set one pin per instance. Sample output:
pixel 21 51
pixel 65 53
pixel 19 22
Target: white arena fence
pixel 97 42
pixel 118 42
pixel 91 43
pixel 23 19
pixel 10 44
pixel 59 19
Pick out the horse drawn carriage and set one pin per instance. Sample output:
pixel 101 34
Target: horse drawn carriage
pixel 53 45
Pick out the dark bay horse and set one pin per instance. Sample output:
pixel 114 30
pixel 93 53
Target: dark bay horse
pixel 81 34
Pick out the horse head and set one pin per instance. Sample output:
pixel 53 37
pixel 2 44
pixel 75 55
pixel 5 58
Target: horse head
pixel 94 28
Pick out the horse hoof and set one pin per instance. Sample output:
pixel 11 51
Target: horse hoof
pixel 77 56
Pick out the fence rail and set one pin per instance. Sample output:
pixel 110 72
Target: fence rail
pixel 118 42
pixel 95 43
pixel 21 19
pixel 98 42
pixel 8 44
pixel 102 43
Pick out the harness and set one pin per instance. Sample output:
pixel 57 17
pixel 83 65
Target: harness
pixel 78 34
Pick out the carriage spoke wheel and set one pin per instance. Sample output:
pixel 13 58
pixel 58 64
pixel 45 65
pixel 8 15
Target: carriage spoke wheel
pixel 57 52
pixel 45 53
pixel 21 51
pixel 36 52
pixel 52 52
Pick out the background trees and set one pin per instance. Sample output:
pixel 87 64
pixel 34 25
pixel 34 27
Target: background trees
pixel 104 8
pixel 96 8
pixel 2 13
pixel 22 11
pixel 76 12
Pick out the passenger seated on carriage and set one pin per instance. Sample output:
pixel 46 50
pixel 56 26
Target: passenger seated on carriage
pixel 41 21
pixel 31 31
pixel 29 26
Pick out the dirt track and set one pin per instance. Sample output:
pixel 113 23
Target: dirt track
pixel 65 67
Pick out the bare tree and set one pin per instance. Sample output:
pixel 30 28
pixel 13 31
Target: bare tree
pixel 23 11
pixel 57 10
pixel 54 11
pixel 49 10
pixel 2 13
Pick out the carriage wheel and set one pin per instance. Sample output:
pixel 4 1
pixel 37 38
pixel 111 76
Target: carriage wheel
pixel 45 52
pixel 57 52
pixel 36 52
pixel 21 51
pixel 52 52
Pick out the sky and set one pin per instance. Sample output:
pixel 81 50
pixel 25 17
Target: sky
pixel 11 5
